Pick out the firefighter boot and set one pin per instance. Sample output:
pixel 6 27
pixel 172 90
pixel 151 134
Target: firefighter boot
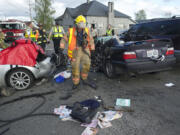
pixel 75 86
pixel 90 84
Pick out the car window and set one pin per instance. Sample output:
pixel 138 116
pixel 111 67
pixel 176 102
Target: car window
pixel 173 27
pixel 134 28
pixel 169 27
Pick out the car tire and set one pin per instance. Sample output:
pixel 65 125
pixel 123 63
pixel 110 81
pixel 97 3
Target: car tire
pixel 109 69
pixel 20 79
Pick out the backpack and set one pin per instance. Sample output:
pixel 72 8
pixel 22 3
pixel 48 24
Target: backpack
pixel 85 111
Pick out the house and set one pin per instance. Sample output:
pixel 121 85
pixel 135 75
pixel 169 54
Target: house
pixel 97 14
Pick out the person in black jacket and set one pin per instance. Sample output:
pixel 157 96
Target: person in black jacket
pixel 42 37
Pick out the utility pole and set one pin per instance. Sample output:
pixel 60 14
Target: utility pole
pixel 30 10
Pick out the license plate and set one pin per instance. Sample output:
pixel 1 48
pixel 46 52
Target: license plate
pixel 152 53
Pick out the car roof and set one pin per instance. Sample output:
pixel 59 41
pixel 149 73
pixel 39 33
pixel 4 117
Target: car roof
pixel 158 20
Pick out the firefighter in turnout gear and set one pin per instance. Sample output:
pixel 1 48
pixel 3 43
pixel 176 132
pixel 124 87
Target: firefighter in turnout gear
pixel 42 37
pixel 57 32
pixel 80 48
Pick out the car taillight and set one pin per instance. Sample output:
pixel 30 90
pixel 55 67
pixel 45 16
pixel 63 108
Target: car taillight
pixel 129 55
pixel 170 51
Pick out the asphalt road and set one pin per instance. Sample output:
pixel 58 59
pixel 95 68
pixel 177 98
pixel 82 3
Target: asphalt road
pixel 156 107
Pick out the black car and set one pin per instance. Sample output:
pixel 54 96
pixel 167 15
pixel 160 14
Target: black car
pixel 145 56
pixel 157 28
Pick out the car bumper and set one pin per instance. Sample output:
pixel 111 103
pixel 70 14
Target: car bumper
pixel 177 55
pixel 146 66
pixel 42 69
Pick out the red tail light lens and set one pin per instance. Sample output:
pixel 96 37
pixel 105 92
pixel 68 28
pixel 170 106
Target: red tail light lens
pixel 170 51
pixel 129 55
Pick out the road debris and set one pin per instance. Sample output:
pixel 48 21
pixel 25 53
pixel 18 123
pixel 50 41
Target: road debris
pixel 91 119
pixel 169 84
pixel 63 112
pixel 66 74
pixel 123 102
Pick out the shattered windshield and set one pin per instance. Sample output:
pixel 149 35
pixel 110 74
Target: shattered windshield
pixel 118 41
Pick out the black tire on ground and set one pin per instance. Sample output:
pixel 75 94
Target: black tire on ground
pixel 20 79
pixel 109 69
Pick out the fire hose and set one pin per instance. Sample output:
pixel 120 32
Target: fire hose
pixel 29 114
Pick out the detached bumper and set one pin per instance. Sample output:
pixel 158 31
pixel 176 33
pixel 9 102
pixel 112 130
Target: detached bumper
pixel 146 66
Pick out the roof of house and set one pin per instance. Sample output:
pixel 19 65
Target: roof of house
pixel 93 8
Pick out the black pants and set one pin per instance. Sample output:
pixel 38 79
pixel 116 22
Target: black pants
pixel 56 42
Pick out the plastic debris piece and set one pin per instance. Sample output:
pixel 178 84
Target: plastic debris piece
pixel 65 74
pixel 90 131
pixel 104 124
pixel 123 102
pixel 63 112
pixel 93 124
pixel 59 79
pixel 110 115
pixel 169 84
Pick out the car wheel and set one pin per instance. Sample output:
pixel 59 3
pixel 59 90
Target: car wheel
pixel 20 79
pixel 109 69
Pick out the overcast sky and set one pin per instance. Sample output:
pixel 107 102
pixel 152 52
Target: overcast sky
pixel 153 8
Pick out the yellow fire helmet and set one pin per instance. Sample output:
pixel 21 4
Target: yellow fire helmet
pixel 80 18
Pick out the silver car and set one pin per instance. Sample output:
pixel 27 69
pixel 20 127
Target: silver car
pixel 22 77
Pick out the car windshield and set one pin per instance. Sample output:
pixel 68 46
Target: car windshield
pixel 10 26
pixel 117 41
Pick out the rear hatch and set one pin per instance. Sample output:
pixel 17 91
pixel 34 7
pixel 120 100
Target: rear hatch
pixel 156 49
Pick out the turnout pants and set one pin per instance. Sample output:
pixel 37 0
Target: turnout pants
pixel 80 59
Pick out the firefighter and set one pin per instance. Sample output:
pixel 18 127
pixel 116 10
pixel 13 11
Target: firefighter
pixel 81 47
pixel 57 32
pixel 2 37
pixel 42 37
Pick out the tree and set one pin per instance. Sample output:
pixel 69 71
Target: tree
pixel 140 15
pixel 44 13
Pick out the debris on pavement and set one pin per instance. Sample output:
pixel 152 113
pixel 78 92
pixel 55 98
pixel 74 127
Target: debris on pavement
pixel 123 102
pixel 104 124
pixel 89 118
pixel 63 112
pixel 110 115
pixel 85 111
pixel 93 124
pixel 60 77
pixel 66 74
pixel 107 116
pixel 169 84
pixel 90 131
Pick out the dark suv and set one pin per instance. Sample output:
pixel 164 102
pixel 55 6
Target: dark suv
pixel 157 29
